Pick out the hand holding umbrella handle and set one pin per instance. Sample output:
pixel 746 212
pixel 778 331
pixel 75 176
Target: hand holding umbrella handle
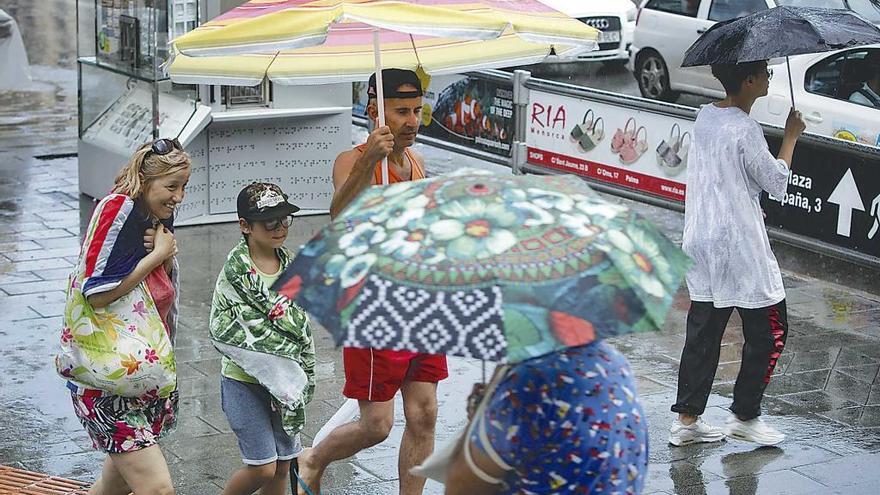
pixel 380 95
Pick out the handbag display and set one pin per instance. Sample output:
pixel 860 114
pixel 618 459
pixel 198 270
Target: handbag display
pixel 588 134
pixel 123 348
pixel 584 127
pixel 633 149
pixel 672 153
pixel 624 137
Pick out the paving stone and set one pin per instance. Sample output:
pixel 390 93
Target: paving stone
pixel 869 488
pixel 817 401
pixel 50 310
pixel 777 483
pixel 677 476
pixel 17 278
pixel 850 357
pixel 191 449
pixel 766 460
pixel 27 266
pixel 795 383
pixel 199 386
pixel 841 385
pixel 347 476
pixel 201 488
pixel 848 416
pixel 69 242
pixel 80 466
pixel 54 274
pixel 14 247
pixel 32 287
pixel 36 235
pixel 870 417
pixel 62 224
pixel 842 472
pixel 812 360
pixel 41 254
pixel 207 367
pixel 54 215
pixel 647 386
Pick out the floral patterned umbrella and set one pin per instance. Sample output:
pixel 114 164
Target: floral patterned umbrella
pixel 494 267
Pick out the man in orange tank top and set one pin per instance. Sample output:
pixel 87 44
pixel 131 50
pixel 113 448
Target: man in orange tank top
pixel 374 376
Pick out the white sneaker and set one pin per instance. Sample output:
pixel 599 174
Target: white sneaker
pixel 697 432
pixel 753 430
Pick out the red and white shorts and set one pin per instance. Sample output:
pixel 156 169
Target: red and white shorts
pixel 376 375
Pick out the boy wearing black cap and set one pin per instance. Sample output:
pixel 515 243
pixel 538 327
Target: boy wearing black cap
pixel 268 353
pixel 373 376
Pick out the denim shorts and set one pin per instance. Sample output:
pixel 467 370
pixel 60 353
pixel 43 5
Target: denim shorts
pixel 256 423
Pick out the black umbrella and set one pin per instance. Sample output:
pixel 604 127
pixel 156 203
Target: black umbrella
pixel 780 32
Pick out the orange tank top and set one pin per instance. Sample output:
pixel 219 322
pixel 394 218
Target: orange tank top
pixel 417 171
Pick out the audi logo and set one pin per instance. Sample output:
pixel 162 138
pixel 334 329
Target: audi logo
pixel 600 24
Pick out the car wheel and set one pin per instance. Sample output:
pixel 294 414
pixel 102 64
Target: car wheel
pixel 653 77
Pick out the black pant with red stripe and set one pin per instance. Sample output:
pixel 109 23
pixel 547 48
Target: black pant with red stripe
pixel 764 330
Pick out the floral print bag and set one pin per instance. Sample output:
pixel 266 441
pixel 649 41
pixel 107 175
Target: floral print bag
pixel 123 348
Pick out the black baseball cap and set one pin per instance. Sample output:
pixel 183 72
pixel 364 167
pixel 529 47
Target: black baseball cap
pixel 264 201
pixel 392 80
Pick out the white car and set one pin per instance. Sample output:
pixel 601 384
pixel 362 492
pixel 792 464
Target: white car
pixel 837 92
pixel 666 28
pixel 616 19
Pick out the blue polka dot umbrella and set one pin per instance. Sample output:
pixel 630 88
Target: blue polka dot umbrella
pixel 493 267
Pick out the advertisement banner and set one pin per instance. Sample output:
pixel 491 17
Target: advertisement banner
pixel 463 110
pixel 628 147
pixel 832 196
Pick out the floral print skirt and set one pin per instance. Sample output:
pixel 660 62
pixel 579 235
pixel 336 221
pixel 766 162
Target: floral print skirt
pixel 118 424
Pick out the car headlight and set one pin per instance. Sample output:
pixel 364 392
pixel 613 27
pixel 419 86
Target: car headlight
pixel 631 14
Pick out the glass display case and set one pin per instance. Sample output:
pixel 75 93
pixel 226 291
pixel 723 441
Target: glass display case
pixel 233 135
pixel 125 97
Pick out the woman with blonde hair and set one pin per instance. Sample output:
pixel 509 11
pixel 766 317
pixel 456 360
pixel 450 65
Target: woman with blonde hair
pixel 120 320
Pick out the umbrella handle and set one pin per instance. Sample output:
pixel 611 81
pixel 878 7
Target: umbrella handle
pixel 790 84
pixel 380 95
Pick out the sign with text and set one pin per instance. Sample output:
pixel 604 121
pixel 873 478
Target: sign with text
pixel 832 197
pixel 610 143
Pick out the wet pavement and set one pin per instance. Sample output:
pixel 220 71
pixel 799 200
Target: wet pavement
pixel 823 394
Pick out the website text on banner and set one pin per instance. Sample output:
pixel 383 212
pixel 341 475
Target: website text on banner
pixel 633 148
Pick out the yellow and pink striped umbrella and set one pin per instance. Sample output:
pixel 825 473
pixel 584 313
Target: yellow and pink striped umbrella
pixel 326 41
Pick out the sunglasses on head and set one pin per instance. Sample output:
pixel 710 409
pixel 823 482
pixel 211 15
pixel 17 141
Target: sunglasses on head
pixel 163 146
pixel 278 223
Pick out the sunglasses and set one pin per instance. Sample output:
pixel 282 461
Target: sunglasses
pixel 769 74
pixel 276 224
pixel 164 146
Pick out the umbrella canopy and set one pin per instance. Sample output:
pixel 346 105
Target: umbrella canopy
pixel 780 32
pixel 317 42
pixel 495 267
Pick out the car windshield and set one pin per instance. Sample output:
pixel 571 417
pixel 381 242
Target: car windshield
pixel 865 8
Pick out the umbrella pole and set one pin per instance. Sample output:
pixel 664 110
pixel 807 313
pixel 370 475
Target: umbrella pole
pixel 380 95
pixel 790 85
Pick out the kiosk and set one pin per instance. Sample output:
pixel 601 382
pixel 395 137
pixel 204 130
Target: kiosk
pixel 235 135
